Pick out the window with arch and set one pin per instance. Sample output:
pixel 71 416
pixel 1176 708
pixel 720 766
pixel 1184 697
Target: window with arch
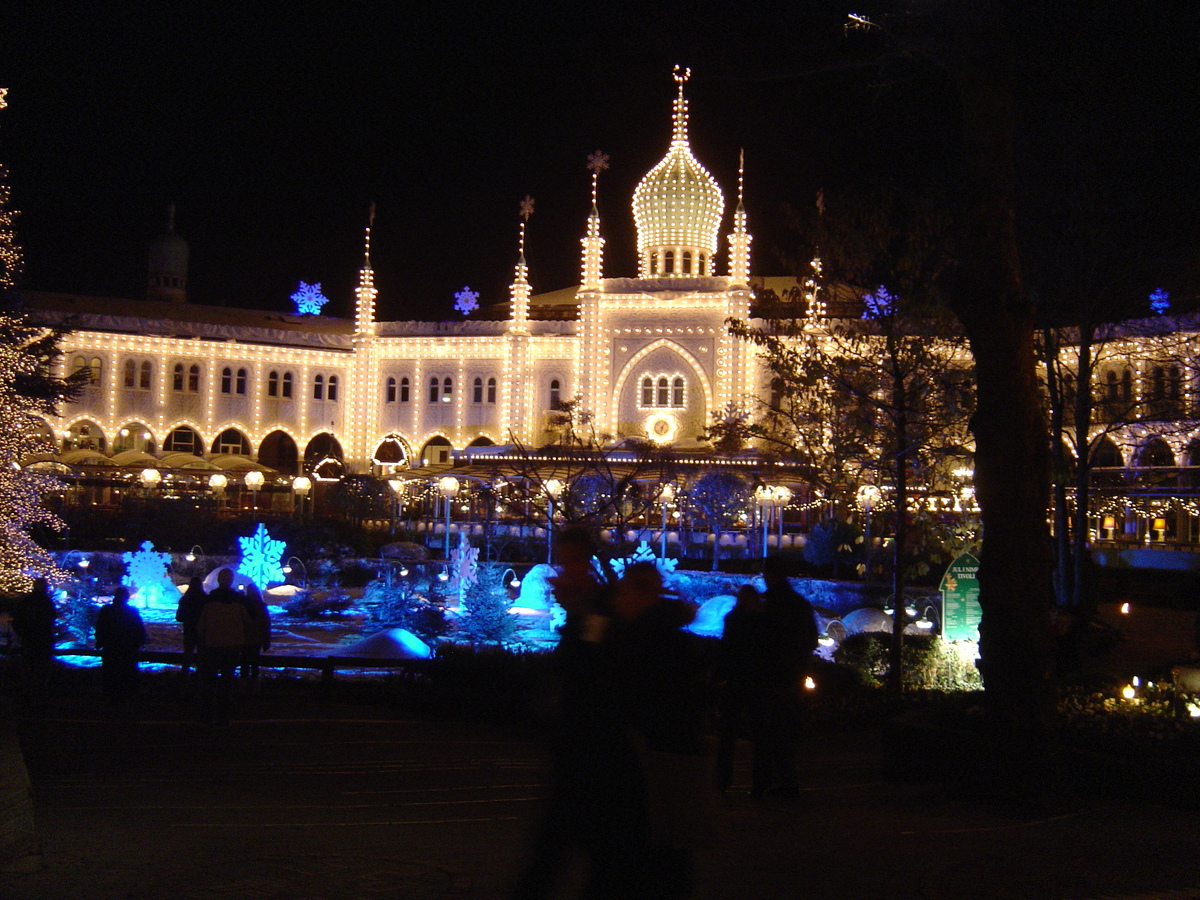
pixel 491 390
pixel 389 391
pixel 677 392
pixel 555 394
pixel 663 392
pixel 447 389
pixel 272 384
pixel 177 378
pixel 331 392
pixel 193 383
pixel 434 388
pixel 687 262
pixel 663 397
pixel 700 264
pixel 647 391
pixel 95 367
pixel 776 401
pixel 404 387
pixel 145 375
pixel 654 263
pixel 227 380
pixel 130 374
pixel 477 391
pixel 285 387
pixel 1127 386
pixel 240 382
pixel 669 262
pixel 319 387
pixel 1112 391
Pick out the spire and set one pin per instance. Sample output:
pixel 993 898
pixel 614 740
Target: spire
pixel 679 115
pixel 593 243
pixel 168 264
pixel 520 285
pixel 739 238
pixel 365 293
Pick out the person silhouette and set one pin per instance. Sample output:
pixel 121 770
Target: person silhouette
pixel 119 635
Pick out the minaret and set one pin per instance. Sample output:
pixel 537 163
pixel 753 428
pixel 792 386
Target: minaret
pixel 167 271
pixel 520 285
pixel 739 238
pixel 593 243
pixel 365 293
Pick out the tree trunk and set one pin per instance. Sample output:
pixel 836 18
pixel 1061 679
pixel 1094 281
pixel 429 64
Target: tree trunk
pixel 899 617
pixel 1011 459
pixel 1080 594
pixel 1058 466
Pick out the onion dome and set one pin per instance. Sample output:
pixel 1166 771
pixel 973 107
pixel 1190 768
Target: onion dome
pixel 167 272
pixel 677 207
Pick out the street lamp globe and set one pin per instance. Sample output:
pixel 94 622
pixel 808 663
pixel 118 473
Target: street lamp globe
pixel 448 487
pixel 151 478
pixel 301 484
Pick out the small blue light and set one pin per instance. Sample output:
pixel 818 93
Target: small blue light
pixel 1160 301
pixel 879 305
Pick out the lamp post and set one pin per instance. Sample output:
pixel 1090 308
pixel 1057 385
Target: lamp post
pixel 217 484
pixel 448 489
pixel 301 485
pixel 287 569
pixel 762 498
pixel 553 489
pixel 150 479
pixel 397 486
pixel 254 481
pixel 666 495
pixel 783 496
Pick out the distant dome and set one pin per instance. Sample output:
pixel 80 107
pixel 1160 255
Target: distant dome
pixel 677 208
pixel 167 271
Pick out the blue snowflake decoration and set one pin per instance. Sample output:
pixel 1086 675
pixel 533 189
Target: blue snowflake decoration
pixel 149 585
pixel 1160 301
pixel 309 299
pixel 879 305
pixel 644 553
pixel 260 558
pixel 466 301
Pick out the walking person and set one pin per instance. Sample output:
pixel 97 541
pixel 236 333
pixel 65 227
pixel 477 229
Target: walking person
pixel 119 635
pixel 187 614
pixel 222 631
pixel 788 632
pixel 739 691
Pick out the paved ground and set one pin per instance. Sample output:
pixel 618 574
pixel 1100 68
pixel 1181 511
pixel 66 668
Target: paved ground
pixel 307 798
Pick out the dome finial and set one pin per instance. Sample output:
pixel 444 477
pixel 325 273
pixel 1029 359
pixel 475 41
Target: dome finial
pixel 680 115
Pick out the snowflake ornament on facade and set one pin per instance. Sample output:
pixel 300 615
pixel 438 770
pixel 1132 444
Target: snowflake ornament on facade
pixel 1160 301
pixel 466 301
pixel 261 556
pixel 309 299
pixel 146 577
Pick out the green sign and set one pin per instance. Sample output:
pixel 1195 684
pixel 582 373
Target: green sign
pixel 960 600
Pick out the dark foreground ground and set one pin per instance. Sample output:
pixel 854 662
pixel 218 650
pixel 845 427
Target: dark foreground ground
pixel 311 795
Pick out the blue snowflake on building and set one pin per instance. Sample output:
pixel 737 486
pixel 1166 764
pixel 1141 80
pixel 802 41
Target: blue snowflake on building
pixel 261 555
pixel 466 301
pixel 147 579
pixel 879 305
pixel 309 299
pixel 1160 301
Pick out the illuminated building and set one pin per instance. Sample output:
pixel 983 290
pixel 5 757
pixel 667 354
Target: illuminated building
pixel 647 355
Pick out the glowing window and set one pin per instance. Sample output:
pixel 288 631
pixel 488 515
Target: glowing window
pixel 663 397
pixel 647 391
pixel 677 392
pixel 286 387
pixel 477 391
pixel 194 380
pixel 669 262
pixel 273 384
pixel 130 373
pixel 491 394
pixel 404 390
pixel 555 394
pixel 687 262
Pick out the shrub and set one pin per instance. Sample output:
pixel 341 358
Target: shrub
pixel 930 663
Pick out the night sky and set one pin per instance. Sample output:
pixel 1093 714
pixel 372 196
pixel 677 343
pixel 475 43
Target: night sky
pixel 273 129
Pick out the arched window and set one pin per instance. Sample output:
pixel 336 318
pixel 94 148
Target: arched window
pixel 663 397
pixel 227 380
pixel 1158 383
pixel 94 370
pixel 130 373
pixel 177 378
pixel 687 262
pixel 1174 383
pixel 700 264
pixel 404 390
pixel 647 391
pixel 319 387
pixel 331 394
pixel 434 384
pixel 447 389
pixel 272 384
pixel 286 387
pixel 491 394
pixel 677 392
pixel 555 394
pixel 654 263
pixel 1127 386
pixel 194 380
pixel 389 394
pixel 1111 393
pixel 145 375
pixel 477 391
pixel 241 381
pixel 776 393
pixel 78 365
pixel 669 262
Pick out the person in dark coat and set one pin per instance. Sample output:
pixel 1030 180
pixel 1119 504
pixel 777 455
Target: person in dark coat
pixel 223 630
pixel 788 631
pixel 191 603
pixel 34 622
pixel 119 634
pixel 739 690
pixel 258 639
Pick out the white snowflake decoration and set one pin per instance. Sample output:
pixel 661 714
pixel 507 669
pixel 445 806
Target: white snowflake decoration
pixel 147 579
pixel 309 299
pixel 464 566
pixel 261 556
pixel 644 553
pixel 466 301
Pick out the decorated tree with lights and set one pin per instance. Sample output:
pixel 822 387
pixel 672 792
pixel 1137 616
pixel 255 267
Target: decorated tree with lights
pixel 28 391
